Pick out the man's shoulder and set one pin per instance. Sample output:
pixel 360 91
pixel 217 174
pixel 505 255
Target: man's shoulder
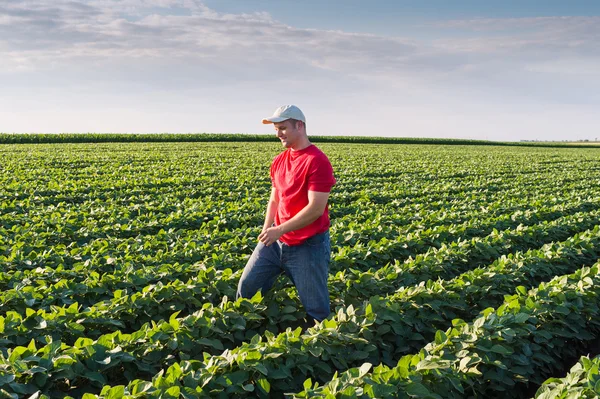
pixel 318 154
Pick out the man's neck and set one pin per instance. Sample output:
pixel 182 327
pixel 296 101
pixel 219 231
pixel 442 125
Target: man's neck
pixel 304 144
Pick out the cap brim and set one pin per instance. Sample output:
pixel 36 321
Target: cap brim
pixel 274 119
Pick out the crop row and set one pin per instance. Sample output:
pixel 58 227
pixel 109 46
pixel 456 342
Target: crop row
pixel 399 324
pixel 128 310
pixel 500 354
pixel 338 343
pixel 583 381
pixel 68 237
pixel 120 259
pixel 42 287
pixel 215 183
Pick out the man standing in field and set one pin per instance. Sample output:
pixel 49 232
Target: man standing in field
pixel 295 236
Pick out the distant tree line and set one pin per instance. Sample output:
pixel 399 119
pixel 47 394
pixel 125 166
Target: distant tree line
pixel 40 138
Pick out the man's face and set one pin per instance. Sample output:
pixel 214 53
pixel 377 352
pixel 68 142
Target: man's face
pixel 287 132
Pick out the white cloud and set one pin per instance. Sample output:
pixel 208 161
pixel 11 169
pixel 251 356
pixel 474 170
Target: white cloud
pixel 585 68
pixel 186 52
pixel 44 33
pixel 137 28
pixel 565 23
pixel 542 35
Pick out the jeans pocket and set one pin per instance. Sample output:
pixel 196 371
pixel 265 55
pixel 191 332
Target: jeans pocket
pixel 316 240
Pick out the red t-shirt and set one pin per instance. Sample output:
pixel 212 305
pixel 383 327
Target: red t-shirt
pixel 293 174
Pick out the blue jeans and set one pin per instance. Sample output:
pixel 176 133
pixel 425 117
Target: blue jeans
pixel 307 265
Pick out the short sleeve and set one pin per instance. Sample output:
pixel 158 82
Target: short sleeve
pixel 320 175
pixel 273 170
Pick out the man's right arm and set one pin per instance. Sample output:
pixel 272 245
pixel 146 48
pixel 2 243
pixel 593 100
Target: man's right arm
pixel 271 209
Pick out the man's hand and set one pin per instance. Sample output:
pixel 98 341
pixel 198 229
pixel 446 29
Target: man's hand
pixel 270 235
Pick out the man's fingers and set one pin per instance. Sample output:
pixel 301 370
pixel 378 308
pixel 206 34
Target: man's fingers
pixel 264 239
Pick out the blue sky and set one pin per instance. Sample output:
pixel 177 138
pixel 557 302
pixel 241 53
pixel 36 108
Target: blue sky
pixel 393 17
pixel 510 70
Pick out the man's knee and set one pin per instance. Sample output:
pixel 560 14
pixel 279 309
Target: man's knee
pixel 259 273
pixel 244 290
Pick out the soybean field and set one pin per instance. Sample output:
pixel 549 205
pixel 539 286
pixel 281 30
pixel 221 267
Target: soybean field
pixel 457 271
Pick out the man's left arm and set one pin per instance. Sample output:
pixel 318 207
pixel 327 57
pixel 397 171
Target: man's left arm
pixel 317 201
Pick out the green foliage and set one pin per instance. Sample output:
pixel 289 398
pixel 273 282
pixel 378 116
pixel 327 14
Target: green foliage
pixel 583 381
pixel 120 262
pixel 29 138
pixel 497 354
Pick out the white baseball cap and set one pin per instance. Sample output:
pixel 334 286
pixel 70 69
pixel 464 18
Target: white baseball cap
pixel 285 112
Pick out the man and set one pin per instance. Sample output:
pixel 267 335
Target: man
pixel 295 236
